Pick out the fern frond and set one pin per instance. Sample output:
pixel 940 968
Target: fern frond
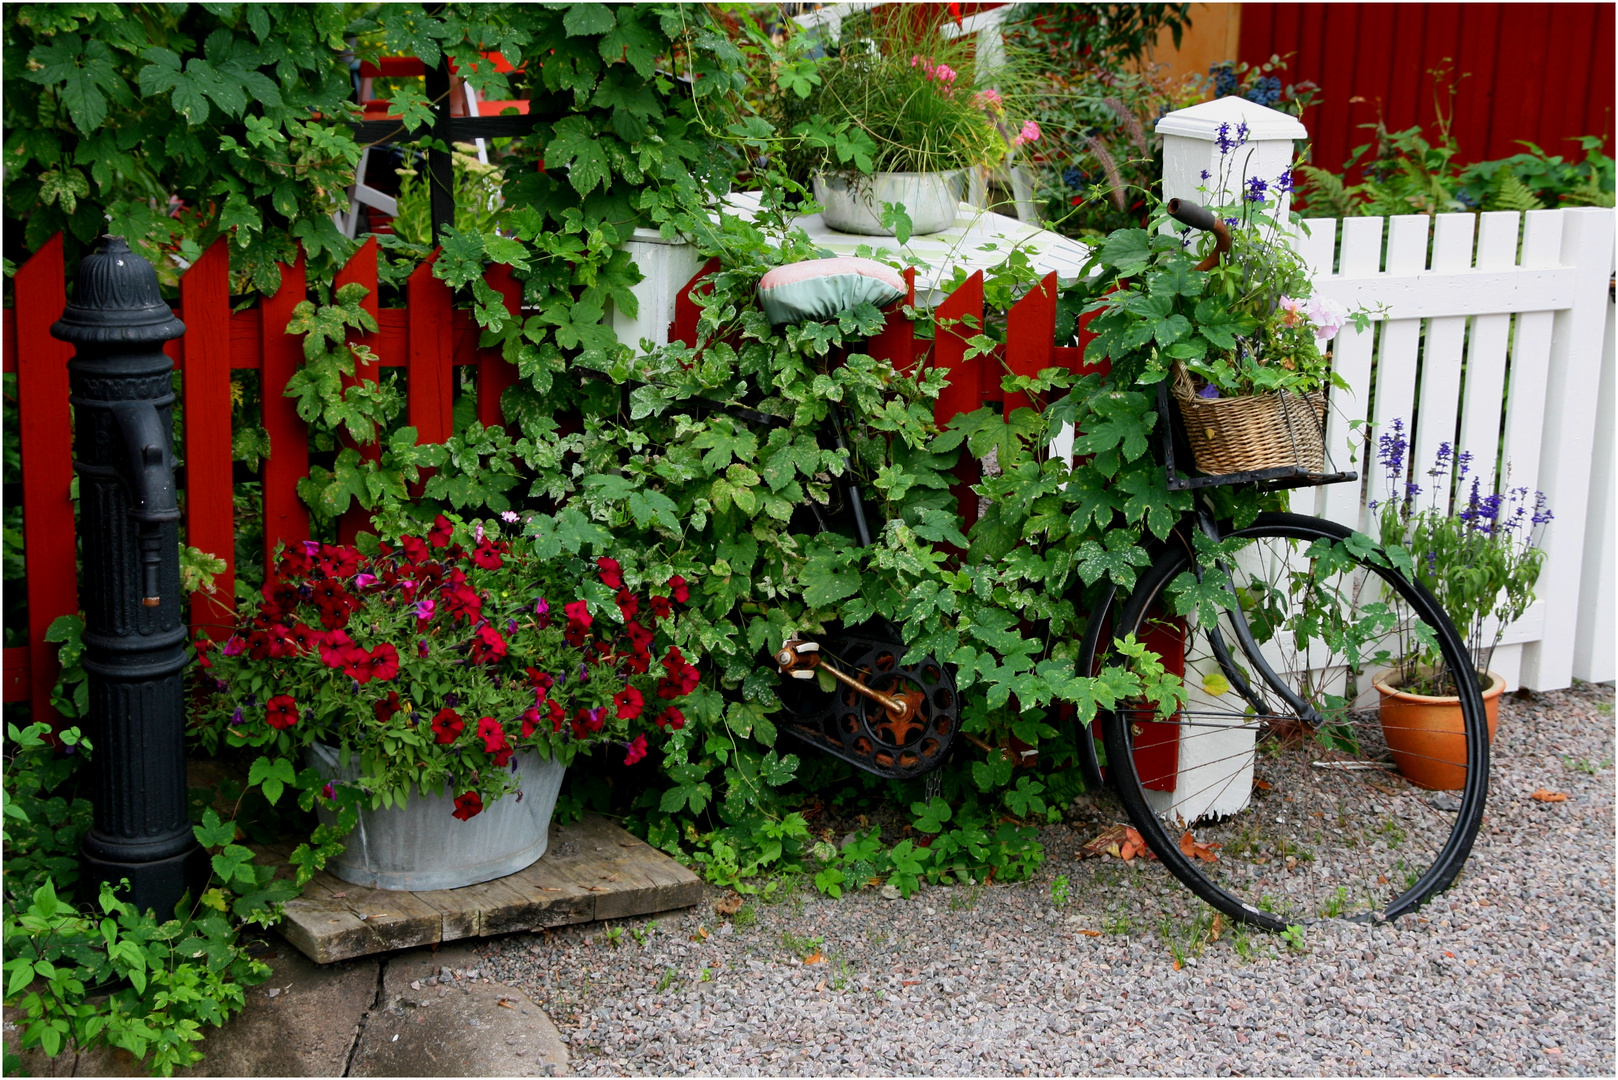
pixel 1326 191
pixel 1510 193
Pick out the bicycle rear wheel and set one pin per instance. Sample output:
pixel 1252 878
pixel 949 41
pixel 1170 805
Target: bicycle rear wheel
pixel 1272 792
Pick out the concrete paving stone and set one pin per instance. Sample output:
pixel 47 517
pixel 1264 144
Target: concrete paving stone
pixel 477 1028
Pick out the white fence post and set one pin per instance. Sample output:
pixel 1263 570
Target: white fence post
pixel 1192 157
pixel 1571 392
pixel 1594 649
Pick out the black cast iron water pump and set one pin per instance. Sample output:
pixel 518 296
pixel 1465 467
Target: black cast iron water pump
pixel 134 630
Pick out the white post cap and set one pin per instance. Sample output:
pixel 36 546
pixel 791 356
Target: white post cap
pixel 1191 139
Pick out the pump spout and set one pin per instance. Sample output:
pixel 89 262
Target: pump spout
pixel 147 473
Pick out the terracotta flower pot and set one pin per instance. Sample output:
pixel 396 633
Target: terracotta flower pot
pixel 1427 734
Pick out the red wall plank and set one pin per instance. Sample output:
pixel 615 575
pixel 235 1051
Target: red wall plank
pixel 963 393
pixel 686 312
pixel 495 372
pixel 429 313
pixel 1540 72
pixel 897 342
pixel 361 270
pixel 209 515
pixel 1030 337
pixel 45 433
pixel 285 518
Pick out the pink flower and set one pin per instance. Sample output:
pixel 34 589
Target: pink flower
pixel 636 748
pixel 1329 317
pixel 989 100
pixel 424 610
pixel 1029 133
pixel 233 646
pixel 363 581
pixel 944 73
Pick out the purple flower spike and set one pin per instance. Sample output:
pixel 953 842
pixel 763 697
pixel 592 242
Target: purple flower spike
pixel 511 626
pixel 236 717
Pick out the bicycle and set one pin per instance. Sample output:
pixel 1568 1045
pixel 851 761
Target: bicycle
pixel 1268 791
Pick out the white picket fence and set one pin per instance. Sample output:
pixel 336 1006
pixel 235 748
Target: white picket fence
pixel 1494 334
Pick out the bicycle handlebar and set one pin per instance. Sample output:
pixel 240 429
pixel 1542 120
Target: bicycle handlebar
pixel 1200 217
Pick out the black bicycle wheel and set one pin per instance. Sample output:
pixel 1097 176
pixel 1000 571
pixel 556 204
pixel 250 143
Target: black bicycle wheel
pixel 1272 792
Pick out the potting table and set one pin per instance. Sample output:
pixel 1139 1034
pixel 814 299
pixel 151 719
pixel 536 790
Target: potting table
pixel 979 240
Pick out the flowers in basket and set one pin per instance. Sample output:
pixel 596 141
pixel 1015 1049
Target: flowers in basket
pixel 1480 557
pixel 434 660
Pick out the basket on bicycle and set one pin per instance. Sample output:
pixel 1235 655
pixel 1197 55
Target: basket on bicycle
pixel 1247 434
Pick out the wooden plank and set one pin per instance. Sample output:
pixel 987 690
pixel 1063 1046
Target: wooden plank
pixel 1439 402
pixel 286 520
pixel 686 312
pixel 958 318
pixel 45 440
pixel 209 511
pixel 431 391
pixel 1484 393
pixel 1570 420
pixel 1030 336
pixel 1594 649
pixel 495 372
pixel 1435 294
pixel 1528 369
pixel 1351 358
pixel 593 870
pixel 1395 368
pixel 897 342
pixel 361 270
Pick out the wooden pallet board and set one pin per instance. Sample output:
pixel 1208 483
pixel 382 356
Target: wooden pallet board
pixel 593 870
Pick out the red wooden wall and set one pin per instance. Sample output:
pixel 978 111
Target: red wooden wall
pixel 1541 72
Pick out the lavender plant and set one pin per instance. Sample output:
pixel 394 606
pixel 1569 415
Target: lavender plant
pixel 1477 550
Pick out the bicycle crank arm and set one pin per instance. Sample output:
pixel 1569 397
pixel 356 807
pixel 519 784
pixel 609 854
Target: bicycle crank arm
pixel 800 659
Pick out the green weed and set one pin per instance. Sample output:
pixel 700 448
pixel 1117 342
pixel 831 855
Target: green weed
pixel 1059 895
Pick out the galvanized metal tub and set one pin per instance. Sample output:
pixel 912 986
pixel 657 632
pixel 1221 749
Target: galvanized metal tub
pixel 931 199
pixel 423 846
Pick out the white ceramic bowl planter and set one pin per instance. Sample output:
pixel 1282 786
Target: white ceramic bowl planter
pixel 422 845
pixel 931 199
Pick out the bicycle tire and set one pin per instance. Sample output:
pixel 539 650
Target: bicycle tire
pixel 1279 817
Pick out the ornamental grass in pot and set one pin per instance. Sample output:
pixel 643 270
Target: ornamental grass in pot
pixel 893 121
pixel 1477 551
pixel 430 693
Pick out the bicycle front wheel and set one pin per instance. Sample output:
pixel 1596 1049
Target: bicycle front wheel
pixel 1274 791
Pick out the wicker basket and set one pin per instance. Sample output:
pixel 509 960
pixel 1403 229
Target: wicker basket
pixel 1248 434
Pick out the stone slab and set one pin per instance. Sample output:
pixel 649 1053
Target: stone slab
pixel 464 1027
pixel 593 870
pixel 302 1022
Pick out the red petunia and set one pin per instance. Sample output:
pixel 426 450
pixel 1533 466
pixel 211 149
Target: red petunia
pixel 494 740
pixel 630 702
pixel 678 588
pixel 577 612
pixel 558 714
pixel 381 664
pixel 281 712
pixel 636 748
pixel 542 682
pixel 447 726
pixel 627 603
pixel 294 562
pixel 441 531
pixel 661 608
pixel 671 717
pixel 487 645
pixel 461 599
pixel 530 722
pixel 414 548
pixel 487 555
pixel 468 805
pixel 305 638
pixel 385 708
pixel 611 574
pixel 639 636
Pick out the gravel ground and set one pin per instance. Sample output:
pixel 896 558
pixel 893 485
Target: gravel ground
pixel 1510 972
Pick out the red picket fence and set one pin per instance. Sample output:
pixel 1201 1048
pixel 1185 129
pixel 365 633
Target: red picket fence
pixel 428 337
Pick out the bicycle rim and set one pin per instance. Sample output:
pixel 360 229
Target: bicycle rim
pixel 1283 813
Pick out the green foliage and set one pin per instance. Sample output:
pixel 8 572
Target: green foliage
pixel 1405 172
pixel 106 974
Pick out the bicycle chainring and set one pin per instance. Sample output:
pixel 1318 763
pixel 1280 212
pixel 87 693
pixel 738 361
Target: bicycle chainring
pixel 851 726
